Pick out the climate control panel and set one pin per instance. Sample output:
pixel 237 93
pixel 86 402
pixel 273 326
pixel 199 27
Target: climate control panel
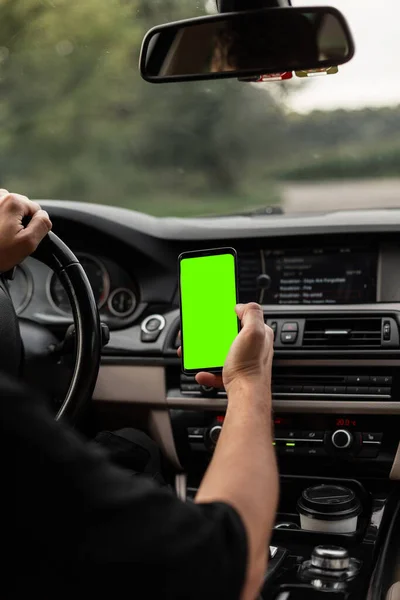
pixel 339 443
pixel 342 438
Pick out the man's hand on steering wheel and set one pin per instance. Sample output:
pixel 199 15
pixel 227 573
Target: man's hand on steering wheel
pixel 17 241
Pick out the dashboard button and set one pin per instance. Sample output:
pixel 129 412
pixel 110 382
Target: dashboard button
pixel 291 389
pixel 295 389
pixel 335 389
pixel 312 435
pixel 383 381
pixel 313 451
pixel 190 387
pixel 151 335
pixel 368 452
pixel 386 331
pixel 358 380
pixel 196 431
pixel 153 325
pixel 289 337
pixel 290 327
pixel 188 378
pixel 372 437
pixel 289 451
pixel 380 391
pixel 358 390
pixel 314 389
pixel 287 434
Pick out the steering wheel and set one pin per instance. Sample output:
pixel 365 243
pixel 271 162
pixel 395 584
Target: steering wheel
pixel 56 255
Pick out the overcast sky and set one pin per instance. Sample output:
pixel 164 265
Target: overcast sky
pixel 372 78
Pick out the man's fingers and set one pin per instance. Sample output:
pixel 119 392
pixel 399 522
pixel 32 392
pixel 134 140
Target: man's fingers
pixel 250 314
pixel 209 380
pixel 179 352
pixel 38 227
pixel 239 309
pixel 17 204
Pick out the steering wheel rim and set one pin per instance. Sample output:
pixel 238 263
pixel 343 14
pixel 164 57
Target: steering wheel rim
pixel 53 252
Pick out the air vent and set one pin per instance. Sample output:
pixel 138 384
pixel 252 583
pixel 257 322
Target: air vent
pixel 343 333
pixel 249 266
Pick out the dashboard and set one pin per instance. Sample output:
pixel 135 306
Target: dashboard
pixel 37 293
pixel 329 286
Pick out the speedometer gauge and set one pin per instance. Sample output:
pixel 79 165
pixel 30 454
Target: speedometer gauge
pixel 97 275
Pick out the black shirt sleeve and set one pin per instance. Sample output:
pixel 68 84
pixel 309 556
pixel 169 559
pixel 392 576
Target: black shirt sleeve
pixel 73 516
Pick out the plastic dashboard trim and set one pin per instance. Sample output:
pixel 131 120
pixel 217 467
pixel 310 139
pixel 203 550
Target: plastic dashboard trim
pixel 122 223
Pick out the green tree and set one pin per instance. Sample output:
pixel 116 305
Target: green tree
pixel 77 120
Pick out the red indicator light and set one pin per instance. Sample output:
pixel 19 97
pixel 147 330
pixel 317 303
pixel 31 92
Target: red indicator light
pixel 220 419
pixel 345 422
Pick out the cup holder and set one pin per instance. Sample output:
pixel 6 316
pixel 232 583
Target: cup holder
pixel 303 516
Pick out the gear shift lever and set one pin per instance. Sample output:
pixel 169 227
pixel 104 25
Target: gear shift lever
pixel 330 567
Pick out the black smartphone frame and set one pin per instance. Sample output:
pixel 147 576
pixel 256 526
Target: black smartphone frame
pixel 198 254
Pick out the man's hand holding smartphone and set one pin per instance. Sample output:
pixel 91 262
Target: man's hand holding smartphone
pixel 249 361
pixel 243 471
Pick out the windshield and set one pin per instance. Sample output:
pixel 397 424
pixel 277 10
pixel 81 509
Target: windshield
pixel 79 123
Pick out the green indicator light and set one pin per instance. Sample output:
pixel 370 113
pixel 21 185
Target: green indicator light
pixel 290 444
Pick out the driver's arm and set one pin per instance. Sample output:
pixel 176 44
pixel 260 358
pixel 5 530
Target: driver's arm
pixel 71 520
pixel 16 240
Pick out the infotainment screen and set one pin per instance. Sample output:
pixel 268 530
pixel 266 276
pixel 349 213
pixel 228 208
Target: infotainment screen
pixel 321 276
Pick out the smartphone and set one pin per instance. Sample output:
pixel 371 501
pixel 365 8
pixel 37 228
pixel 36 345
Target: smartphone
pixel 208 286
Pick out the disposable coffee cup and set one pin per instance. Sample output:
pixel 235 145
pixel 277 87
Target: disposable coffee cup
pixel 329 509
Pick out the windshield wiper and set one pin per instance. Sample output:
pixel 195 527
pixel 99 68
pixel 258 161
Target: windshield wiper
pixel 264 211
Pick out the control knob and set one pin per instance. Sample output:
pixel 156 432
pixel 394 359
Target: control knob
pixel 208 391
pixel 214 433
pixel 264 281
pixel 342 439
pixel 332 558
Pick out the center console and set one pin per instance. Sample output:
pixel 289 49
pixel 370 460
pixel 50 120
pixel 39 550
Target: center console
pixel 335 493
pixel 335 313
pixel 335 425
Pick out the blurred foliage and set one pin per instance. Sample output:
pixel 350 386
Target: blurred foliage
pixel 342 144
pixel 77 121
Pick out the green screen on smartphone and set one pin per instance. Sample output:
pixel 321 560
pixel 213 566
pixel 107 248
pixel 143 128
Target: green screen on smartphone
pixel 208 299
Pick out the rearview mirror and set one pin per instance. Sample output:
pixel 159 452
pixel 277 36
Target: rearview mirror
pixel 243 44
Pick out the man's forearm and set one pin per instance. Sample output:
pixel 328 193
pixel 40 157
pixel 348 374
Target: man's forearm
pixel 243 471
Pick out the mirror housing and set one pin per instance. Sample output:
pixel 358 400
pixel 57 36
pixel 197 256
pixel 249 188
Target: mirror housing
pixel 233 5
pixel 245 44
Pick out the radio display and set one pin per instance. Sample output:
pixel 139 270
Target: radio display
pixel 321 276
